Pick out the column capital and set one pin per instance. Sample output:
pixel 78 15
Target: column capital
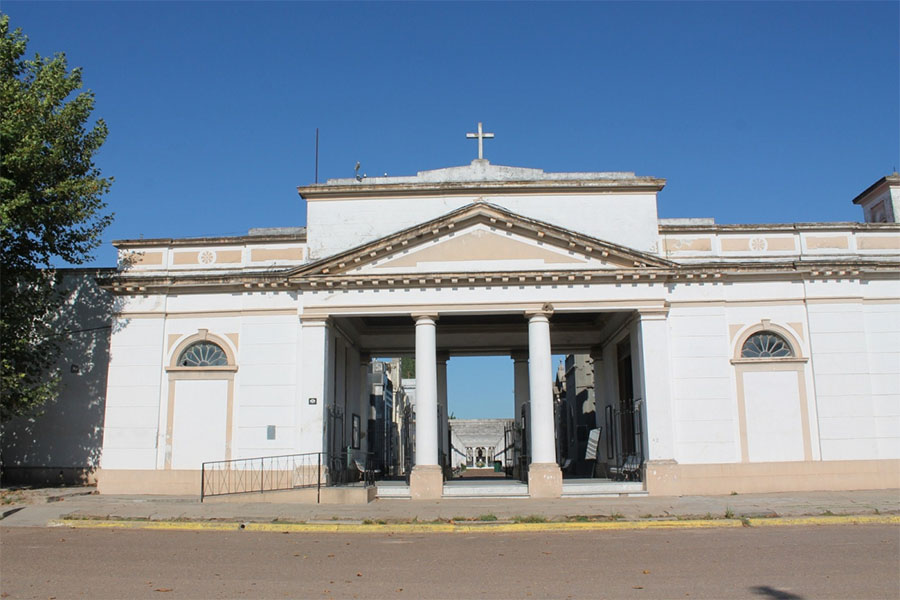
pixel 545 311
pixel 424 316
pixel 597 353
pixel 519 355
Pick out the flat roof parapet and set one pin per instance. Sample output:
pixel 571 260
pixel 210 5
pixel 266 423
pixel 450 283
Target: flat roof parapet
pixel 481 176
pixel 482 170
pixel 256 236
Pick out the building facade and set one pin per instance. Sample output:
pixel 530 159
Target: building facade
pixel 724 357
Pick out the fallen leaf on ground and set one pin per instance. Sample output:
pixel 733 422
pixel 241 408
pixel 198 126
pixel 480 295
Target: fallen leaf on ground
pixel 163 590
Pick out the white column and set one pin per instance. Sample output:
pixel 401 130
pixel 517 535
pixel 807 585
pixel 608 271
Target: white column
pixel 520 383
pixel 543 446
pixel 656 407
pixel 544 475
pixel 444 424
pixel 426 392
pixel 426 482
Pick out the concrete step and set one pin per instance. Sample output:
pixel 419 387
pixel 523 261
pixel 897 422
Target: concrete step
pixel 393 490
pixel 485 489
pixel 601 488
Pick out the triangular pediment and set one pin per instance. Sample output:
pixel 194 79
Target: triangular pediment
pixel 480 248
pixel 480 238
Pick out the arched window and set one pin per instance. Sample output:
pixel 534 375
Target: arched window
pixel 203 354
pixel 766 344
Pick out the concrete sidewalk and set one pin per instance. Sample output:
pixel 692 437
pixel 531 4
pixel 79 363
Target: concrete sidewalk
pixel 67 503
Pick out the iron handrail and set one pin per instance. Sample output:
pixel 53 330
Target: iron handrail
pixel 242 475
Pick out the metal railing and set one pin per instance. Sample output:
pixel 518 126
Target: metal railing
pixel 350 466
pixel 263 474
pixel 625 441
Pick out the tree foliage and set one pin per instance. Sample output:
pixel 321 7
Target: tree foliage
pixel 407 367
pixel 51 209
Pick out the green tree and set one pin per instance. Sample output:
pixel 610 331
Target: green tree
pixel 407 367
pixel 51 210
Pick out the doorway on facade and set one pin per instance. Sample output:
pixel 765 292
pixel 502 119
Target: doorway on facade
pixel 481 439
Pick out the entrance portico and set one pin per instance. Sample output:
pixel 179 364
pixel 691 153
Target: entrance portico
pixel 528 335
pixel 484 280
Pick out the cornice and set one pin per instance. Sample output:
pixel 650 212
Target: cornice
pixel 778 227
pixel 211 241
pixel 887 181
pixel 128 284
pixel 577 186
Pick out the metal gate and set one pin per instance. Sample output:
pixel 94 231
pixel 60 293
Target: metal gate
pixel 625 441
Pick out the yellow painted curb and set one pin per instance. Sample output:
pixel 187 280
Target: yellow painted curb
pixel 827 520
pixel 461 527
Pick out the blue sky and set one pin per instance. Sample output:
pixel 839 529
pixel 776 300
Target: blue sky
pixel 753 112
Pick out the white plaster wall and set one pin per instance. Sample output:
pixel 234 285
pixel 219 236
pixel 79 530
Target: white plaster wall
pixel 840 362
pixel 883 344
pixel 627 219
pixel 133 393
pixel 267 364
pixel 703 395
pixel 199 424
pixel 774 421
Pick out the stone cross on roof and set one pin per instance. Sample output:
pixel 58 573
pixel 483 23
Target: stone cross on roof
pixel 481 136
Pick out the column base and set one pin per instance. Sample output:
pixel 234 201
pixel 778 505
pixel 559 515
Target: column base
pixel 544 480
pixel 426 482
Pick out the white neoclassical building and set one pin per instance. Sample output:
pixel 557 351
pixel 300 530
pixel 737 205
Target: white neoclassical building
pixel 725 357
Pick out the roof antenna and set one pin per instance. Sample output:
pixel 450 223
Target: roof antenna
pixel 356 169
pixel 317 155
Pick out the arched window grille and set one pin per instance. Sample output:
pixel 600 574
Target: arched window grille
pixel 766 344
pixel 203 354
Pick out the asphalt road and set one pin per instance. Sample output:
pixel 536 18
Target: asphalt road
pixel 861 561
